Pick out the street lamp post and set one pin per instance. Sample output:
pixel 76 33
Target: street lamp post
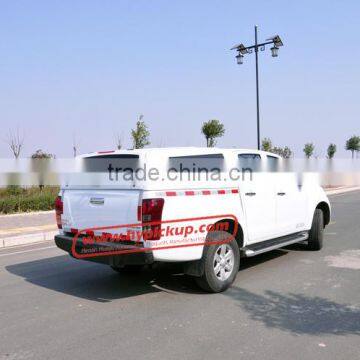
pixel 242 50
pixel 257 89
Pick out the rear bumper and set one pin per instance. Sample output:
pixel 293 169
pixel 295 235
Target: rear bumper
pixel 64 242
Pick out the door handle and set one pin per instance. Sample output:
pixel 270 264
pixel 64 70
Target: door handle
pixel 250 193
pixel 281 193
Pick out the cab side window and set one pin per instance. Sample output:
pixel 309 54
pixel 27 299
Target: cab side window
pixel 272 163
pixel 250 162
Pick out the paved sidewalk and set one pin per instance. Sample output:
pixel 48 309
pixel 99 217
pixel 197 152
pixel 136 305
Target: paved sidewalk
pixel 341 190
pixel 27 219
pixel 27 228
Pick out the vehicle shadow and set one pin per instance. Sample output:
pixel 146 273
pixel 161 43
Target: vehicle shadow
pixel 301 246
pixel 100 283
pixel 298 313
pixel 247 263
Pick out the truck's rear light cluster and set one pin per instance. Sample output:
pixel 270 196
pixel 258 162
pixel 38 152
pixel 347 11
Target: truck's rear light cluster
pixel 151 211
pixel 59 207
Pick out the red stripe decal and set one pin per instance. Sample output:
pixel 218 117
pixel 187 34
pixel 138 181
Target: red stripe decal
pixel 171 193
pixel 203 192
pixel 106 152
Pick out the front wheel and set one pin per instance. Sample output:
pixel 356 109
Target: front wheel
pixel 221 264
pixel 316 233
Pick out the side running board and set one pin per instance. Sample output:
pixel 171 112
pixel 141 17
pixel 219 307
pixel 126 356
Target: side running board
pixel 268 245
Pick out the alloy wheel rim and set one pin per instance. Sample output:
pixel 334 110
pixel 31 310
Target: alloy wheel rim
pixel 223 264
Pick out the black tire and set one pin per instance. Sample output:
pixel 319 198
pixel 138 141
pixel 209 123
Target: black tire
pixel 209 281
pixel 316 233
pixel 128 268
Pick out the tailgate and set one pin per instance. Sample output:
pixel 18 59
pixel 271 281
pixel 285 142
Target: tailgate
pixel 96 208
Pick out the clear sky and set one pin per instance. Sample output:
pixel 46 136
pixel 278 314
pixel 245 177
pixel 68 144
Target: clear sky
pixel 89 68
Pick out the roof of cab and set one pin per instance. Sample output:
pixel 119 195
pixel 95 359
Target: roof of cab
pixel 175 151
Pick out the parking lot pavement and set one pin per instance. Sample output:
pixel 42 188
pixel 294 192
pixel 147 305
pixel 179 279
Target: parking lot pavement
pixel 286 304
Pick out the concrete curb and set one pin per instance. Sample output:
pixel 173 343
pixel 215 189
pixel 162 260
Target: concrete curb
pixel 27 239
pixel 342 190
pixel 28 213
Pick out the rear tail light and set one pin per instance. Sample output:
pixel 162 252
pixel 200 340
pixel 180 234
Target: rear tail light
pixel 58 211
pixel 139 213
pixel 151 211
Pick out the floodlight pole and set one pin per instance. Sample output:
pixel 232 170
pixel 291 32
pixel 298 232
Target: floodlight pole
pixel 257 88
pixel 242 50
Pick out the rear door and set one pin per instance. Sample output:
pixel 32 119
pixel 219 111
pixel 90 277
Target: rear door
pixel 91 208
pixel 257 190
pixel 102 193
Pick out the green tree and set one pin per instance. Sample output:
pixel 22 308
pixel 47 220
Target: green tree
pixel 309 149
pixel 331 150
pixel 287 153
pixel 212 129
pixel 40 165
pixel 40 154
pixel 284 152
pixel 353 144
pixel 266 144
pixel 140 134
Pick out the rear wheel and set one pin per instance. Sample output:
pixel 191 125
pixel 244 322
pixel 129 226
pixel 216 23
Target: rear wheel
pixel 221 264
pixel 316 233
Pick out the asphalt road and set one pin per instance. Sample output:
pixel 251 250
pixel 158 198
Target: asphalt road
pixel 287 304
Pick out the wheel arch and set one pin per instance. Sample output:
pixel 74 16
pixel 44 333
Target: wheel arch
pixel 195 268
pixel 235 229
pixel 325 208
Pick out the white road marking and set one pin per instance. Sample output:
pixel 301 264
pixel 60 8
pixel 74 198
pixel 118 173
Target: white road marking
pixel 26 251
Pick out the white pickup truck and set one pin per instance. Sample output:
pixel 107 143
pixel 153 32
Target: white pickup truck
pixel 204 207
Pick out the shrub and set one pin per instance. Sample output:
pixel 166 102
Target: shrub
pixel 24 200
